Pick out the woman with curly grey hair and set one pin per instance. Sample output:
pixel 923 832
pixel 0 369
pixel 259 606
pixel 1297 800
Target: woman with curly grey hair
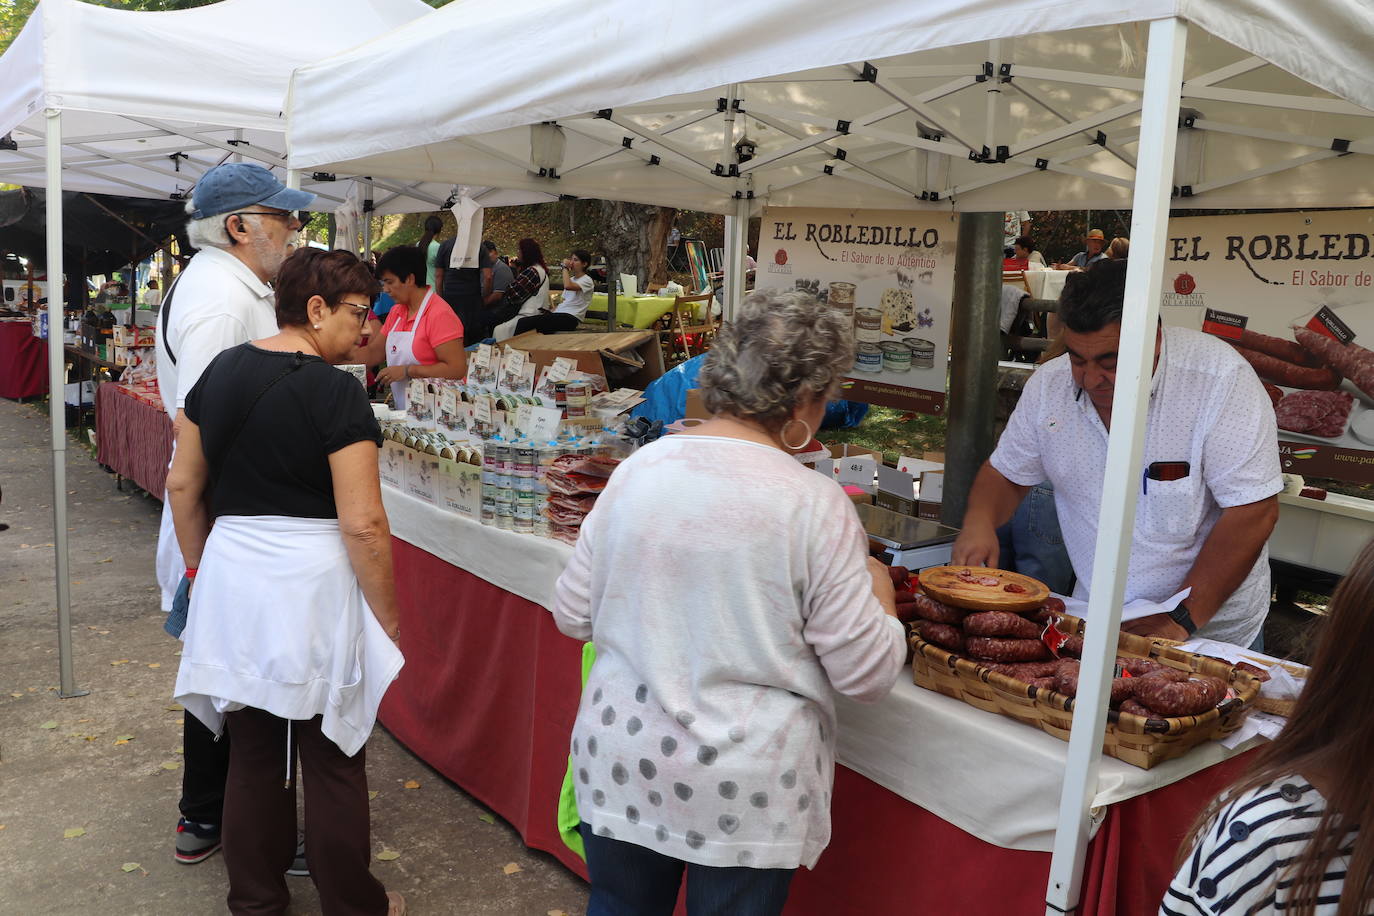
pixel 729 594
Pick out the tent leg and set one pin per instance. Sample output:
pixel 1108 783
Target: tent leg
pixel 736 247
pixel 974 345
pixel 57 402
pixel 1125 450
pixel 367 220
pixel 293 179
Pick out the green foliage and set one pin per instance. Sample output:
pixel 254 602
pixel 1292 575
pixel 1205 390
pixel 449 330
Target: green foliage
pixel 892 433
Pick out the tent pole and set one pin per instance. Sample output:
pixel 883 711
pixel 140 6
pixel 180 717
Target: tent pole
pixel 1125 450
pixel 974 347
pixel 367 220
pixel 57 401
pixel 736 246
pixel 293 179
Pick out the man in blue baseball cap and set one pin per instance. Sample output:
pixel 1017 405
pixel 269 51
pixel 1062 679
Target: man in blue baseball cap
pixel 243 221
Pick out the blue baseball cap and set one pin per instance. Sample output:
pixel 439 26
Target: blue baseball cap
pixel 239 185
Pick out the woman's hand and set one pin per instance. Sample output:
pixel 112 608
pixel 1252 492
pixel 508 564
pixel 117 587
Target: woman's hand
pixel 883 589
pixel 393 374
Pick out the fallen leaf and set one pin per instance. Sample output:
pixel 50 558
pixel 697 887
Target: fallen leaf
pixel 487 817
pixel 555 913
pixel 91 737
pixel 130 866
pixel 180 750
pixel 104 632
pixel 119 661
pixel 155 664
pixel 387 855
pixel 48 724
pixel 72 833
pixel 171 765
pixel 409 784
pixel 119 741
pixel 108 560
pixel 92 627
pixel 175 707
pixel 124 737
pixel 511 868
pixel 371 794
pixel 82 721
pixel 16 695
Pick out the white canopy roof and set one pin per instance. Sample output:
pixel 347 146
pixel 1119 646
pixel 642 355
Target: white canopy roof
pixel 872 106
pixel 151 100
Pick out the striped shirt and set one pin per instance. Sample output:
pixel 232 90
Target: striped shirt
pixel 1241 864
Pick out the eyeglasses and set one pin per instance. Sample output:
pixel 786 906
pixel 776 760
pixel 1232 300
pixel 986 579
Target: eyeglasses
pixel 363 311
pixel 288 215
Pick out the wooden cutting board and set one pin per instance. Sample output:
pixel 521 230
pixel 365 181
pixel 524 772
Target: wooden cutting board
pixel 981 588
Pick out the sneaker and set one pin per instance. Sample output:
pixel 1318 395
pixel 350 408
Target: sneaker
pixel 196 842
pixel 299 868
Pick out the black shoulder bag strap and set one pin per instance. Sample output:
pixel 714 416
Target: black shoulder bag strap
pixel 166 312
pixel 296 362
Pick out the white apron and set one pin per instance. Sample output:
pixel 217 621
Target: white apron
pixel 400 351
pixel 169 564
pixel 296 638
pixel 532 306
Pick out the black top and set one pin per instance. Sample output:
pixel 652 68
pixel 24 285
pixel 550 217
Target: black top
pixel 462 290
pixel 279 463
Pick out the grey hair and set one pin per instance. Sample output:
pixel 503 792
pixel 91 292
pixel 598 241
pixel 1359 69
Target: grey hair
pixel 782 350
pixel 210 231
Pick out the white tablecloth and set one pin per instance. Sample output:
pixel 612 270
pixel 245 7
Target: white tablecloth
pixel 988 775
pixel 1046 284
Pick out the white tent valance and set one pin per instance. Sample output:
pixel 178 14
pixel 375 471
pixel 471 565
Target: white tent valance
pixel 980 106
pixel 152 100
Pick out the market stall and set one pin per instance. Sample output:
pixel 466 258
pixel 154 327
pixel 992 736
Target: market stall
pixel 23 360
pixel 134 434
pixel 474 612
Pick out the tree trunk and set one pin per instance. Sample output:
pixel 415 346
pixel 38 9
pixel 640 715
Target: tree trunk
pixel 659 230
pixel 632 240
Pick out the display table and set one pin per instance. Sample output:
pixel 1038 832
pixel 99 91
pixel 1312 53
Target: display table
pixel 1046 284
pixel 23 361
pixel 490 690
pixel 133 435
pixel 635 311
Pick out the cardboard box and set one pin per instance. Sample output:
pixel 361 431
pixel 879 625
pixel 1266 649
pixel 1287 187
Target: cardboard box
pixel 392 463
pixel 624 358
pixel 422 476
pixel 134 337
pixel 931 495
pixel 460 488
pixel 896 491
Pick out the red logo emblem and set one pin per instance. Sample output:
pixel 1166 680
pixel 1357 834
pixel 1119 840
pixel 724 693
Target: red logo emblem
pixel 1184 284
pixel 780 257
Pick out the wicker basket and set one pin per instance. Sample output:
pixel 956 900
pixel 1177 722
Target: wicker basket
pixel 1134 739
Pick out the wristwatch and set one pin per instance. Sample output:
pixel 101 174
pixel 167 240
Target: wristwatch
pixel 1181 616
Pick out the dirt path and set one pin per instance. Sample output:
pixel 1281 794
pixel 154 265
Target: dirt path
pixel 109 763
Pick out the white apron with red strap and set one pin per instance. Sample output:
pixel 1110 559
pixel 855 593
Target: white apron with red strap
pixel 400 351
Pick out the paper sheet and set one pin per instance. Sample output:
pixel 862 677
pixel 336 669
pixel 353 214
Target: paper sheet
pixel 1133 610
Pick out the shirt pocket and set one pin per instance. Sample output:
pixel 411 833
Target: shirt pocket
pixel 1171 510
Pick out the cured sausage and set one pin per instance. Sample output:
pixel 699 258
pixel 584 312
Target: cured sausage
pixel 941 634
pixel 1053 605
pixel 1141 667
pixel 1072 647
pixel 1000 623
pixel 1025 671
pixel 1046 682
pixel 1136 708
pixel 1290 375
pixel 1006 650
pixel 1256 670
pixel 1351 360
pixel 1180 698
pixel 928 608
pixel 1287 350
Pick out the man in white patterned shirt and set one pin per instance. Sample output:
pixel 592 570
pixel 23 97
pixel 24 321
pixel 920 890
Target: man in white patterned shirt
pixel 1209 481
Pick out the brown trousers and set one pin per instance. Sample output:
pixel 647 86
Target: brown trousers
pixel 260 819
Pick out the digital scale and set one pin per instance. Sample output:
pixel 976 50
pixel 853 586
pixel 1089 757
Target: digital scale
pixel 916 543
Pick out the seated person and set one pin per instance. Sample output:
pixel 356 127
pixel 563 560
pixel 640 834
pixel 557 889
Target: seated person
pixel 1024 256
pixel 1093 244
pixel 577 296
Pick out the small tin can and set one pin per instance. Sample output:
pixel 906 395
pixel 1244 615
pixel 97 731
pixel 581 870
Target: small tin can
pixel 922 352
pixel 841 297
pixel 868 325
pixel 526 461
pixel 578 394
pixel 868 357
pixel 896 356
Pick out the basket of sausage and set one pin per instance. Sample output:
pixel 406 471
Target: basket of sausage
pixel 1022 661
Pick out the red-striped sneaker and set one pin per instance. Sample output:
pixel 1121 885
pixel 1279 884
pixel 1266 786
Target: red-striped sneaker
pixel 196 842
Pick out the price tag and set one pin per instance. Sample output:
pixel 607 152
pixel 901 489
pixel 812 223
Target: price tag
pixel 448 401
pixel 544 423
pixel 481 410
pixel 857 471
pixel 562 367
pixel 523 415
pixel 514 364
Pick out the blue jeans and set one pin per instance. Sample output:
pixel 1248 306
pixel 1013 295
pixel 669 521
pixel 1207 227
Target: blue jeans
pixel 630 880
pixel 1032 543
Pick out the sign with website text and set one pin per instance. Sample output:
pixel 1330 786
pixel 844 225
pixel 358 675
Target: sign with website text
pixel 890 273
pixel 1294 293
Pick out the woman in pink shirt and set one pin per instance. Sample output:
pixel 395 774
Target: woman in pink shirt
pixel 422 337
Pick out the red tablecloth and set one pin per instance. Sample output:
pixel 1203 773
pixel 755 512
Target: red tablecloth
pixel 23 361
pixel 133 435
pixel 488 696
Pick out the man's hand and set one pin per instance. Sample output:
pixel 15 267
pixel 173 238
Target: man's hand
pixel 882 586
pixel 1160 625
pixel 392 374
pixel 976 546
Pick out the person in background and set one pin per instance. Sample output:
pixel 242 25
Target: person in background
pixel 577 297
pixel 527 295
pixel 243 224
pixel 276 473
pixel 1025 250
pixel 153 295
pixel 422 337
pixel 499 280
pixel 1093 244
pixel 1293 835
pixel 461 288
pixel 433 226
pixel 1119 249
pixel 1015 225
pixel 705 737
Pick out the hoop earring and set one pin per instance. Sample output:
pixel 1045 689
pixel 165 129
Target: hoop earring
pixel 782 435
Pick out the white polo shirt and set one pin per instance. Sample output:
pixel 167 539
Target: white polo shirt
pixel 218 303
pixel 1207 407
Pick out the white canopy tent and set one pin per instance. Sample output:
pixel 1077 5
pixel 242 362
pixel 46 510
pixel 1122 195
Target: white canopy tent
pixel 143 103
pixel 947 104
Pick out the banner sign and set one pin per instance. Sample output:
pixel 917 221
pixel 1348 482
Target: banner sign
pixel 890 273
pixel 1294 293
